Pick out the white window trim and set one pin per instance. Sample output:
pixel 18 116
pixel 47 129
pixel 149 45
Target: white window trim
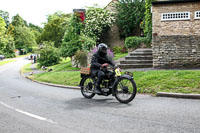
pixel 174 19
pixel 195 15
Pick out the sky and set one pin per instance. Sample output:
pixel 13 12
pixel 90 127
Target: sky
pixel 36 11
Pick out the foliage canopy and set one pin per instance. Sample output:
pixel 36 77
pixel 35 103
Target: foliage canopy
pixel 130 15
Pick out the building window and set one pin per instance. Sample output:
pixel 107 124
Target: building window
pixel 175 16
pixel 197 15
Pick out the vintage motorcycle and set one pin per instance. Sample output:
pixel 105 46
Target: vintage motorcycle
pixel 122 86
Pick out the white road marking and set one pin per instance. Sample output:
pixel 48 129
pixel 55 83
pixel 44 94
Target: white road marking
pixel 28 114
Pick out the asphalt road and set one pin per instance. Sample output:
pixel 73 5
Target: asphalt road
pixel 28 107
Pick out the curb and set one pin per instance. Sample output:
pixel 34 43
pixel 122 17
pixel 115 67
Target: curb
pixel 50 84
pixel 178 95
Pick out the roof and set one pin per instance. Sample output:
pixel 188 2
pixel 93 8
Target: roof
pixel 172 1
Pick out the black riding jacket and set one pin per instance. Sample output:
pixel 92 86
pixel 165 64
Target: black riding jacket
pixel 97 60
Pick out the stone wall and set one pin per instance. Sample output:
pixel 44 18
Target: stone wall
pixel 180 27
pixel 176 43
pixel 176 51
pixel 112 37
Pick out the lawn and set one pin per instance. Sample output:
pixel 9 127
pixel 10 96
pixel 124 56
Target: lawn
pixel 120 55
pixel 26 68
pixel 71 78
pixel 64 65
pixel 179 81
pixel 6 62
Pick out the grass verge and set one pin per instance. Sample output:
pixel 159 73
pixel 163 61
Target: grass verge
pixel 177 81
pixel 26 68
pixel 71 78
pixel 6 62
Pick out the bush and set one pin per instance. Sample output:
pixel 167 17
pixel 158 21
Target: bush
pixel 87 43
pixel 49 55
pixel 68 49
pixel 118 49
pixel 97 22
pixel 80 58
pixel 135 42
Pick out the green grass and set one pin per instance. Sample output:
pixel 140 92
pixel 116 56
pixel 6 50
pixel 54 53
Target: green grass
pixel 64 78
pixel 65 65
pixel 26 68
pixel 120 55
pixel 177 81
pixel 6 62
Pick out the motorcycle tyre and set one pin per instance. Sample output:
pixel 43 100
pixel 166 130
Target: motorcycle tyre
pixel 82 89
pixel 133 94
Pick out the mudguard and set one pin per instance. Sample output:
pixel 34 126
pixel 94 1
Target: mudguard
pixel 126 76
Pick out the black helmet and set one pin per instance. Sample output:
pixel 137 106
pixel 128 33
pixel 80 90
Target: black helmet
pixel 102 49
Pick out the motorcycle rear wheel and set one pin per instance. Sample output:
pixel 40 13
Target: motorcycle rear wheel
pixel 87 87
pixel 125 90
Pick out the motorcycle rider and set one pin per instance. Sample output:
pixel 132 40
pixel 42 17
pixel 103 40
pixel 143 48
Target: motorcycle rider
pixel 100 60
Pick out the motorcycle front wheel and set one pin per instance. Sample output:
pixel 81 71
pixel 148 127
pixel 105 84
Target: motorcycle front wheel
pixel 125 90
pixel 87 87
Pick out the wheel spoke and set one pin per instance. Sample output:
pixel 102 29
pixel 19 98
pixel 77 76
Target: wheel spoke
pixel 88 87
pixel 124 89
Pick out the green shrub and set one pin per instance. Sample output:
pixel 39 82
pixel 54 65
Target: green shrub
pixel 49 55
pixel 80 58
pixel 118 49
pixel 134 42
pixel 68 49
pixel 87 43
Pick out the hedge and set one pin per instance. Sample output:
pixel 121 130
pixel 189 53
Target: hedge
pixel 134 42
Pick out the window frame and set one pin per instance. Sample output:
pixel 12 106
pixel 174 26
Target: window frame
pixel 195 15
pixel 171 16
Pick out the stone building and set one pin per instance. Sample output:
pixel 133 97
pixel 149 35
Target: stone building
pixel 112 37
pixel 176 33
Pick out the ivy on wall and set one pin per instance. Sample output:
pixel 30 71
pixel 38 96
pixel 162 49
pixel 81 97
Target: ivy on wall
pixel 148 20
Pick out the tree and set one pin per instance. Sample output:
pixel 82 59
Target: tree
pixel 7 44
pixel 97 22
pixel 49 55
pixel 54 30
pixel 73 40
pixel 36 30
pixel 2 33
pixel 2 26
pixel 10 30
pixel 24 38
pixel 58 14
pixel 35 27
pixel 130 15
pixel 17 21
pixel 5 16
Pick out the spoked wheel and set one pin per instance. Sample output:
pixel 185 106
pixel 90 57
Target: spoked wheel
pixel 87 88
pixel 125 90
